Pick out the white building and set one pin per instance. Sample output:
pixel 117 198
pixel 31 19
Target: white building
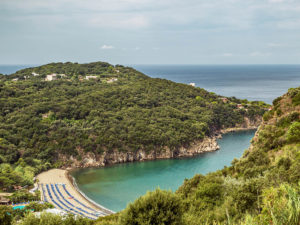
pixel 112 80
pixel 90 77
pixel 51 77
pixel 192 84
pixel 35 74
pixel 15 79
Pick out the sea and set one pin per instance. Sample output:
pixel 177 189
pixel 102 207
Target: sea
pixel 252 82
pixel 116 186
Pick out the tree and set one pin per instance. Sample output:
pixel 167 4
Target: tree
pixel 5 215
pixel 294 132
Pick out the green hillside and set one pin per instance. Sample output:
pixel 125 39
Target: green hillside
pixel 116 108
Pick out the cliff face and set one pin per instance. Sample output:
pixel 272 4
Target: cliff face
pixel 208 144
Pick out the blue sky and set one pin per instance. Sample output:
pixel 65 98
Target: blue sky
pixel 150 32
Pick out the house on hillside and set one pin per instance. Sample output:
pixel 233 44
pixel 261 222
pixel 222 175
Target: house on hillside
pixel 239 106
pixel 51 77
pixel 192 84
pixel 90 77
pixel 224 100
pixel 112 80
pixel 15 79
pixel 35 74
pixel 4 201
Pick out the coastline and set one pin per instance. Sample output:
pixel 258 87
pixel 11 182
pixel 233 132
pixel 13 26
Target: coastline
pixel 208 144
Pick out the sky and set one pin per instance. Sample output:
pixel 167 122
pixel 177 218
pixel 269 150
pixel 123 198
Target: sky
pixel 150 31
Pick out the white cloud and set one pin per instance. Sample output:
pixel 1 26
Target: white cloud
pixel 227 54
pixel 107 47
pixel 219 28
pixel 120 21
pixel 276 1
pixel 137 14
pixel 290 24
pixel 259 54
pixel 275 45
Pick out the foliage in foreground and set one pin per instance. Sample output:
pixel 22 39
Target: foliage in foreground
pixel 24 196
pixel 51 219
pixel 155 208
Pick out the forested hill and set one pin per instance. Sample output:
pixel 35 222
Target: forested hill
pixel 63 108
pixel 261 188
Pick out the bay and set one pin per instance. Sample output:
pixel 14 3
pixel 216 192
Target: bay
pixel 115 186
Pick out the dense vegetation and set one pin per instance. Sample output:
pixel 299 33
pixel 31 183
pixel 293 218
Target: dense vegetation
pixel 8 216
pixel 41 121
pixel 263 187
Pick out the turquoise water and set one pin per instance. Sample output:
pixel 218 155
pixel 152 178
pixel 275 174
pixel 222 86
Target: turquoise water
pixel 19 207
pixel 115 186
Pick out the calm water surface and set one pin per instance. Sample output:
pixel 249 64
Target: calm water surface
pixel 253 82
pixel 115 186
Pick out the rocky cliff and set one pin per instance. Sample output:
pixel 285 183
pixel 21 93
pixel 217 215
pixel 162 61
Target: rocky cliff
pixel 208 144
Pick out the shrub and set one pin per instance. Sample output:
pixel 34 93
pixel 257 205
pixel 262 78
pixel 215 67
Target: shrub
pixel 38 206
pixel 294 132
pixel 157 207
pixel 52 219
pixel 5 215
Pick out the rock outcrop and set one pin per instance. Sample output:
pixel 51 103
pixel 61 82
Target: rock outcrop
pixel 208 144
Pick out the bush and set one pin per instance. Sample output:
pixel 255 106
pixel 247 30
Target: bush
pixel 23 196
pixel 52 219
pixel 294 132
pixel 157 207
pixel 281 206
pixel 38 206
pixel 5 215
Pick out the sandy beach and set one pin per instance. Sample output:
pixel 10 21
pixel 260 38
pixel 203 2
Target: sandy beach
pixel 56 188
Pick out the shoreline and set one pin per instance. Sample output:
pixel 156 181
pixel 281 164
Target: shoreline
pixel 72 180
pixel 208 144
pixel 62 180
